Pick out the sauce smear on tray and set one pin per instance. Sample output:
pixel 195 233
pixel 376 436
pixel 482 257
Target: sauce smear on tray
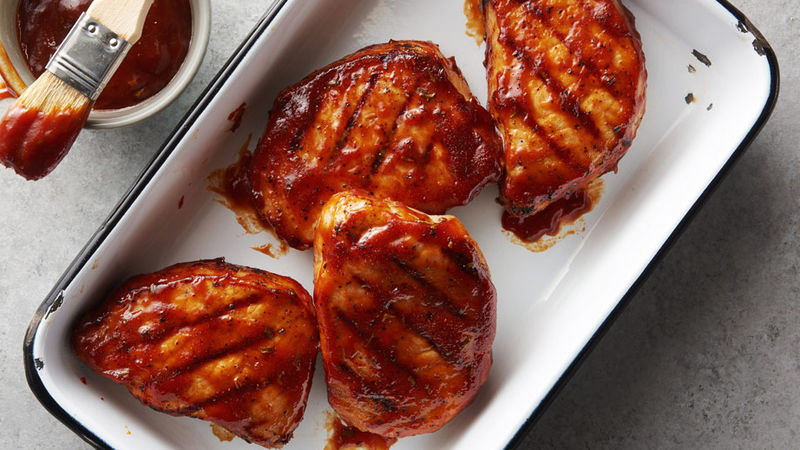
pixel 475 27
pixel 235 117
pixel 555 218
pixel 233 186
pixel 150 64
pixel 548 221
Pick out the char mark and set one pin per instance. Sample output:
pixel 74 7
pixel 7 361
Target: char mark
pixel 569 103
pixel 353 119
pixel 464 262
pixel 431 290
pixel 586 63
pixel 240 391
pixel 162 332
pixel 378 351
pixel 404 319
pixel 253 343
pixel 414 328
pixel 311 114
pixel 380 155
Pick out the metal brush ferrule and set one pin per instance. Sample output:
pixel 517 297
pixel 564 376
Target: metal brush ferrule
pixel 88 57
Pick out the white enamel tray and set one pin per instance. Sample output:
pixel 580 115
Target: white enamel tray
pixel 552 305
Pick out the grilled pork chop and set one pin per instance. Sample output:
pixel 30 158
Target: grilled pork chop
pixel 210 340
pixel 406 312
pixel 567 88
pixel 395 119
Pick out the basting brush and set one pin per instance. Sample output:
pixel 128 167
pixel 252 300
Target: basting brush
pixel 38 130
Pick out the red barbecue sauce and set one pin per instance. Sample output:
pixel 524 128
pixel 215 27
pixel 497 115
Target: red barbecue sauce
pixel 34 141
pixel 221 433
pixel 232 185
pixel 150 64
pixel 235 117
pixel 475 27
pixel 346 437
pixel 550 220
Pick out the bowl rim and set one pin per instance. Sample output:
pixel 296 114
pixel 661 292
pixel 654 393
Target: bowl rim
pixel 114 118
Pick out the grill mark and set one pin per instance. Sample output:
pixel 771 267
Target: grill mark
pixel 159 334
pixel 432 291
pixel 525 116
pixel 546 21
pixel 313 110
pixel 378 351
pixel 563 154
pixel 351 122
pixel 569 103
pixel 464 263
pixel 613 27
pixel 231 349
pixel 382 293
pixel 225 396
pixel 443 303
pixel 451 360
pixel 426 156
pixel 222 396
pixel 588 16
pixel 380 155
pixel 371 392
pixel 187 368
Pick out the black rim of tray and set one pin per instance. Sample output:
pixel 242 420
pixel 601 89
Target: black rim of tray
pixel 31 372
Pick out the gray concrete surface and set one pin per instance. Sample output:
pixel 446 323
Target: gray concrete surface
pixel 707 355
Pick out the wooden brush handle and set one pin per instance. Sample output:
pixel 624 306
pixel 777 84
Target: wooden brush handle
pixel 124 17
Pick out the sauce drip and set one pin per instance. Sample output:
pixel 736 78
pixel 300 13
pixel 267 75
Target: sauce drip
pixel 553 220
pixel 150 64
pixel 346 437
pixel 221 433
pixel 475 28
pixel 271 251
pixel 548 221
pixel 232 185
pixel 236 117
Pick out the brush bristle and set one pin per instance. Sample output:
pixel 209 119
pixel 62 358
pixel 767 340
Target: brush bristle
pixel 51 94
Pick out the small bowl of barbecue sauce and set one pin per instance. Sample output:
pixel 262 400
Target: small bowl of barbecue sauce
pixel 155 71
